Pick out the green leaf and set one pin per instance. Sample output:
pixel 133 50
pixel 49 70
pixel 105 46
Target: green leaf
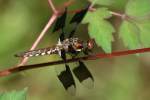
pixel 130 35
pixel 145 33
pixel 102 2
pixel 138 8
pixel 136 31
pixel 14 95
pixel 100 29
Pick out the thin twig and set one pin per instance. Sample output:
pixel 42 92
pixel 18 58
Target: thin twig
pixel 122 16
pixel 48 25
pixel 43 32
pixel 91 57
pixel 52 7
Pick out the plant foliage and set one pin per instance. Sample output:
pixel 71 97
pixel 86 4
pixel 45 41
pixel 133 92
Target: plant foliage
pixel 99 28
pixel 134 30
pixel 14 95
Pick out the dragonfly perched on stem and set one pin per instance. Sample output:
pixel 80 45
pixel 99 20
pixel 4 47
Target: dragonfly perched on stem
pixel 68 44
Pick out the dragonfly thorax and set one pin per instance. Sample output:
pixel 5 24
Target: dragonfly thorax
pixel 75 43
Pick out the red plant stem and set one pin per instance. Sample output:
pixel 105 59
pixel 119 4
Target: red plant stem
pixel 91 57
pixel 121 53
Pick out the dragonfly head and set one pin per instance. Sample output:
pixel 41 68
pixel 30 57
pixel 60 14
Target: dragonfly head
pixel 80 45
pixel 90 44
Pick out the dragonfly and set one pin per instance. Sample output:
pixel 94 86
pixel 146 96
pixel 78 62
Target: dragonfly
pixel 68 44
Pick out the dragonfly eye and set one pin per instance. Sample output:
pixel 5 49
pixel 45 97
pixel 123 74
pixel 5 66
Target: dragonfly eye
pixel 79 45
pixel 90 44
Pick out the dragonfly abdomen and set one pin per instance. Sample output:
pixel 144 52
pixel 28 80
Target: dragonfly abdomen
pixel 39 52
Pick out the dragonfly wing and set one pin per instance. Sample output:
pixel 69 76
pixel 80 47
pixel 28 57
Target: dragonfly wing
pixel 60 22
pixel 77 18
pixel 62 37
pixel 67 80
pixel 65 75
pixel 84 75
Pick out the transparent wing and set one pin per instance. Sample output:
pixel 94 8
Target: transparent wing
pixel 77 18
pixel 84 75
pixel 67 80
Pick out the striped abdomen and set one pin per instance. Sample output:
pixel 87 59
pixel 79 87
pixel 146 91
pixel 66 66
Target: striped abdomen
pixel 39 52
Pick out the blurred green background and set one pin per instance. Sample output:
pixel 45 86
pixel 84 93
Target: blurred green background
pixel 119 78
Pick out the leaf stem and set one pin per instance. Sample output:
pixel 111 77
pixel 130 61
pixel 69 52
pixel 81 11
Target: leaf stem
pixel 121 15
